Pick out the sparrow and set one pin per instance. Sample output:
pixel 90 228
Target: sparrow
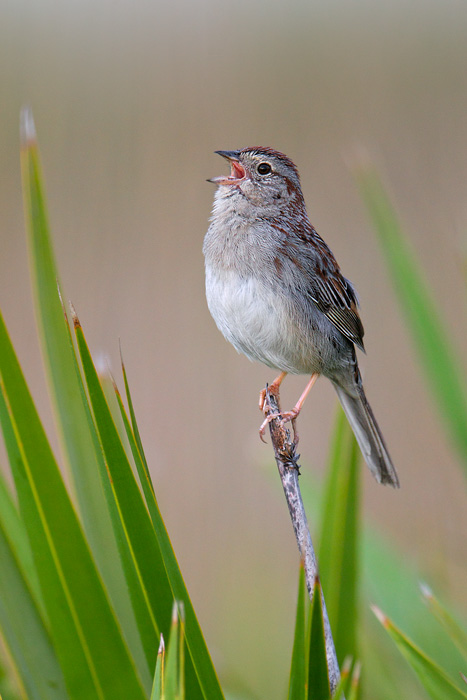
pixel 277 294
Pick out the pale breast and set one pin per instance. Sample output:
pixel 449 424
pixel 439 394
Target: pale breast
pixel 259 323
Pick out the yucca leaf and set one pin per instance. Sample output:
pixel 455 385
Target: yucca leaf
pixel 432 677
pixel 86 636
pixel 9 517
pixel 159 578
pixel 23 625
pixel 452 627
pixel 10 687
pixel 181 656
pixel 174 665
pixel 75 428
pixel 338 553
pixel 391 581
pixel 141 466
pixel 150 593
pixel 56 347
pixel 318 675
pixel 424 319
pixel 344 679
pixel 200 660
pixel 297 680
pixel 135 428
pixel 159 673
pixel 355 683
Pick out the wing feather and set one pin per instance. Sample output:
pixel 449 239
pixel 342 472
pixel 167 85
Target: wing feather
pixel 332 293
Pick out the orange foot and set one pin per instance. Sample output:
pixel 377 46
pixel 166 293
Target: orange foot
pixel 285 418
pixel 288 415
pixel 273 388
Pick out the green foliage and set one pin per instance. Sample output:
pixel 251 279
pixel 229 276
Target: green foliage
pixel 298 671
pixel 318 676
pixel 81 616
pixel 457 633
pixel 309 677
pixel 90 586
pixel 169 677
pixel 339 542
pixel 433 678
pixel 437 354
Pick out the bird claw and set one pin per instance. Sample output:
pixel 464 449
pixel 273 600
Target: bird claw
pixel 285 418
pixel 266 422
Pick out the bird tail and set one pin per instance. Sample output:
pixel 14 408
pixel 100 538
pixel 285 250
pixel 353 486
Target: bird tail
pixel 367 432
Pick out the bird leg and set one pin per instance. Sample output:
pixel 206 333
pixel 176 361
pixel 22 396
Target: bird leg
pixel 273 389
pixel 288 415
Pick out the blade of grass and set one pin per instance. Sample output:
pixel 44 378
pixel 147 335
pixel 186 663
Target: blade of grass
pixel 71 413
pixel 108 384
pixel 86 635
pixel 10 683
pixel 200 660
pixel 136 434
pixel 12 524
pixel 431 676
pixel 141 465
pixel 424 319
pixel 24 628
pixel 452 627
pixel 393 584
pixel 151 596
pixel 391 581
pixel 344 680
pixel 159 673
pixel 198 652
pixel 297 679
pixel 318 675
pixel 181 663
pixel 174 653
pixel 354 693
pixel 158 587
pixel 339 542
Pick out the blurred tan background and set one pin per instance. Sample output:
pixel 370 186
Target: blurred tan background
pixel 130 101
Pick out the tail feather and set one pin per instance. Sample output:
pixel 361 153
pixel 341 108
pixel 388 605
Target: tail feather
pixel 368 435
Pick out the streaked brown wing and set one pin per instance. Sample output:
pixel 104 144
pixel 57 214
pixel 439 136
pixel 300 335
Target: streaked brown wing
pixel 334 295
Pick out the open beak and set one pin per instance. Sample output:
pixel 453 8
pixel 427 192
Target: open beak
pixel 237 171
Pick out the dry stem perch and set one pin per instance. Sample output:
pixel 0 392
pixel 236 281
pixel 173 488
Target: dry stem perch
pixel 287 464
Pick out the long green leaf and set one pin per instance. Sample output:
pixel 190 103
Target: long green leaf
pixel 9 517
pixel 432 677
pixel 318 675
pixel 160 580
pixel 71 411
pixel 297 680
pixel 158 683
pixel 201 661
pixel 150 594
pixel 452 627
pixel 338 554
pixel 424 318
pixel 344 679
pixel 86 636
pixel 391 581
pixel 21 621
pixel 137 452
pixel 354 692
pixel 136 434
pixel 174 662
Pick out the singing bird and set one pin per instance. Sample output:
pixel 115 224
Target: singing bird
pixel 277 294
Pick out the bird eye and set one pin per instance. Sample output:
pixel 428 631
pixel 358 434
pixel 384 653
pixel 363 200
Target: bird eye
pixel 264 168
